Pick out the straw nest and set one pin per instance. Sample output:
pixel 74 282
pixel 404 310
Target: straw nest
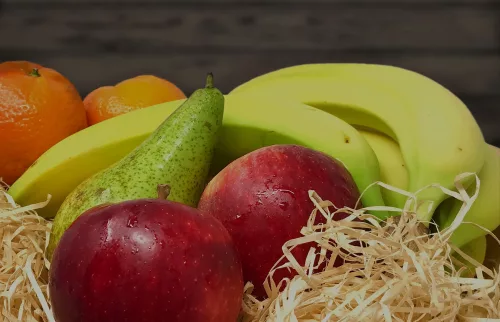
pixel 399 273
pixel 23 266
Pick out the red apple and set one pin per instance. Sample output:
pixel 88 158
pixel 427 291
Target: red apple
pixel 262 199
pixel 146 260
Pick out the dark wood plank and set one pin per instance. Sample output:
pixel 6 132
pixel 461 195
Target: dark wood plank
pixel 470 75
pixel 164 28
pixel 475 80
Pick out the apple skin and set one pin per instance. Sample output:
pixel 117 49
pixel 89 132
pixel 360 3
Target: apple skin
pixel 146 260
pixel 262 199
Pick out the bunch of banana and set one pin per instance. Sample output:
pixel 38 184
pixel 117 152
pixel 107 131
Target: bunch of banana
pixel 421 133
pixel 428 122
pixel 384 123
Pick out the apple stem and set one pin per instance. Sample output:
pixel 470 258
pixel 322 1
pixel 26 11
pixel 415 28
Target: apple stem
pixel 163 191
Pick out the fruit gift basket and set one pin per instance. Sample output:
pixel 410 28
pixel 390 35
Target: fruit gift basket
pixel 311 193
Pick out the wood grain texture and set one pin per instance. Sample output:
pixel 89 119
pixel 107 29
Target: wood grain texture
pixel 188 72
pixel 96 43
pixel 475 76
pixel 164 28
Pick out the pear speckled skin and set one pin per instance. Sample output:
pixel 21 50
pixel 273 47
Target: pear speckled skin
pixel 178 153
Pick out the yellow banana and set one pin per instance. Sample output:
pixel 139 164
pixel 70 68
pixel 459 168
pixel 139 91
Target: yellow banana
pixel 305 70
pixel 485 211
pixel 394 173
pixel 249 123
pixel 471 240
pixel 72 160
pixel 392 166
pixel 437 134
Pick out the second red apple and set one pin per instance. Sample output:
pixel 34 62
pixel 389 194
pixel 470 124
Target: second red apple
pixel 262 200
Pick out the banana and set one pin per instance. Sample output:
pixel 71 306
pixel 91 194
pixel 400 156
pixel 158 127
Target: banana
pixel 305 70
pixel 72 160
pixel 485 210
pixel 392 166
pixel 438 136
pixel 249 123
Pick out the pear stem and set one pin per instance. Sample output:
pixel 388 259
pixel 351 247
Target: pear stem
pixel 210 81
pixel 163 191
pixel 34 73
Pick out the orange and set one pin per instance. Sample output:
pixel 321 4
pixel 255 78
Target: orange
pixel 38 108
pixel 131 94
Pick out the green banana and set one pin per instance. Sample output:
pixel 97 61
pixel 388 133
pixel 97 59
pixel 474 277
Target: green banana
pixel 437 134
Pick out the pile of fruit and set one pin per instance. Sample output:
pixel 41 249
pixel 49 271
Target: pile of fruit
pixel 324 192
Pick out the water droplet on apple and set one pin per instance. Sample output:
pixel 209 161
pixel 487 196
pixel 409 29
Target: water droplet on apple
pixel 132 221
pixel 283 205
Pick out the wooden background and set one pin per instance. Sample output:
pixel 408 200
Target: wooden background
pixel 95 43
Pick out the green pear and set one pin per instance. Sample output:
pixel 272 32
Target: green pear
pixel 177 155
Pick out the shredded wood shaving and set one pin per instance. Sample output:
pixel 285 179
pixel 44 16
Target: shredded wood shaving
pixel 23 266
pixel 399 273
